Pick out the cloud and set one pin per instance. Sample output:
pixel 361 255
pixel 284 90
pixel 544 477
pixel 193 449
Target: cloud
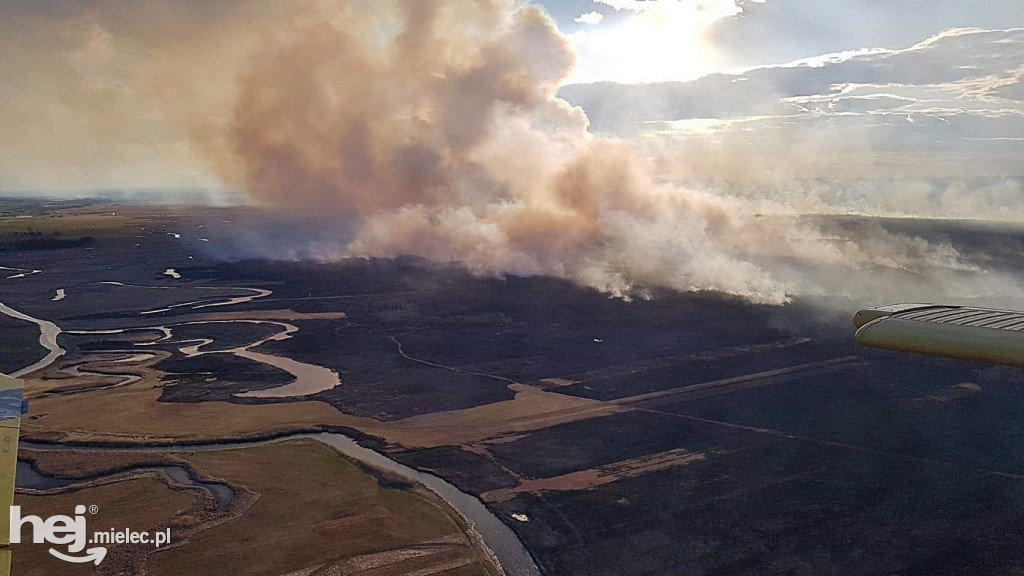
pixel 717 7
pixel 590 18
pixel 946 106
pixel 776 32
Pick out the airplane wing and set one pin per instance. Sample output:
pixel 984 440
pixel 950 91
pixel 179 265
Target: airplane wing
pixel 965 333
pixel 10 424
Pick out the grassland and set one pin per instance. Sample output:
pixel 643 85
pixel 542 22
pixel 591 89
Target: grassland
pixel 140 505
pixel 142 418
pixel 316 508
pixel 301 505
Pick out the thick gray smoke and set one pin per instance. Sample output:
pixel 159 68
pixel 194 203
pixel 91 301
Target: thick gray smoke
pixel 435 125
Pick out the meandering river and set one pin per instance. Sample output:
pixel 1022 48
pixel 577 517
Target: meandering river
pixel 28 477
pixel 48 332
pixel 515 560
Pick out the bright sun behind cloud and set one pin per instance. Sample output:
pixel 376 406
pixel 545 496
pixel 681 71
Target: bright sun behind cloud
pixel 662 40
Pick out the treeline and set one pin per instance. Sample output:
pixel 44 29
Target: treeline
pixel 35 240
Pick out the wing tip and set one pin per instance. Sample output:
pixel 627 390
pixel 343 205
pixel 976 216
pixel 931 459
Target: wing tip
pixel 868 315
pixel 963 333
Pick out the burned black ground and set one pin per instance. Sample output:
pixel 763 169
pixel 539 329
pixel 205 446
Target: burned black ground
pixel 819 457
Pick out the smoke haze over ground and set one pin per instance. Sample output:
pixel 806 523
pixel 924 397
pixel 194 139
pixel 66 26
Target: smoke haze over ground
pixel 435 129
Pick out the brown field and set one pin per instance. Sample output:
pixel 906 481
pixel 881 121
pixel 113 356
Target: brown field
pixel 140 504
pixel 349 522
pixel 97 221
pixel 141 418
pixel 68 464
pixel 586 479
pixel 531 409
pixel 59 382
pixel 346 517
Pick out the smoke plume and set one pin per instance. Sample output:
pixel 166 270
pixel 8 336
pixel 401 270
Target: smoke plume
pixel 432 128
pixel 435 127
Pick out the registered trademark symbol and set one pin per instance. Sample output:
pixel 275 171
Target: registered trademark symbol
pixel 94 509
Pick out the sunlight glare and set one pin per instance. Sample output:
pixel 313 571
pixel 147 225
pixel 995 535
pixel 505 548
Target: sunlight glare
pixel 662 41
